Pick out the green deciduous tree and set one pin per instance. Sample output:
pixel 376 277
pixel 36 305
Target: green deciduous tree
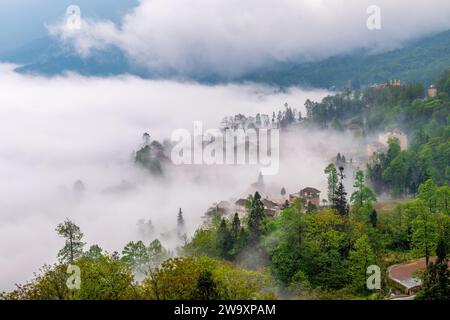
pixel 135 255
pixel 326 242
pixel 103 278
pixel 443 199
pixel 424 230
pixel 396 174
pixel 428 195
pixel 360 258
pixel 363 193
pixel 287 245
pixel 156 254
pixel 204 278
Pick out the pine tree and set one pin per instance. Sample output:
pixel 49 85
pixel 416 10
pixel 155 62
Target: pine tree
pixel 146 138
pixel 180 220
pixel 235 227
pixel 256 218
pixel 373 218
pixel 181 226
pixel 73 247
pixel 283 191
pixel 436 280
pixel 224 239
pixel 436 283
pixel 260 180
pixel 340 200
pixel 331 171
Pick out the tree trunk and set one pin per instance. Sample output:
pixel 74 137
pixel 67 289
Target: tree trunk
pixel 71 248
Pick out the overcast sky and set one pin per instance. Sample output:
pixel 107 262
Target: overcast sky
pixel 224 36
pixel 22 21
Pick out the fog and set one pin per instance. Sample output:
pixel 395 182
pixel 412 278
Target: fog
pixel 230 37
pixel 54 131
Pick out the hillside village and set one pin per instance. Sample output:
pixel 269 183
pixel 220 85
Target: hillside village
pixel 273 204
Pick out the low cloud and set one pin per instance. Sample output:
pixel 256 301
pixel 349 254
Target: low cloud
pixel 231 37
pixel 54 131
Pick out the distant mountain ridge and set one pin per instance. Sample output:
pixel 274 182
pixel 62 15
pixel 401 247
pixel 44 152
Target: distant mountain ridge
pixel 47 56
pixel 420 61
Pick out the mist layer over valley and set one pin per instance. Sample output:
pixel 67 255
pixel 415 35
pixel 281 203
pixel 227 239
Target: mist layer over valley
pixel 56 131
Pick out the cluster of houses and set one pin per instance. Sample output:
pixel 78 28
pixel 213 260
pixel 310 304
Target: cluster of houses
pixel 239 121
pixel 262 121
pixel 388 84
pixel 382 143
pixel 309 195
pixel 432 91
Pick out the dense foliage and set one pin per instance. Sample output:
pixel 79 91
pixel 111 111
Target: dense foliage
pixel 426 121
pixel 106 277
